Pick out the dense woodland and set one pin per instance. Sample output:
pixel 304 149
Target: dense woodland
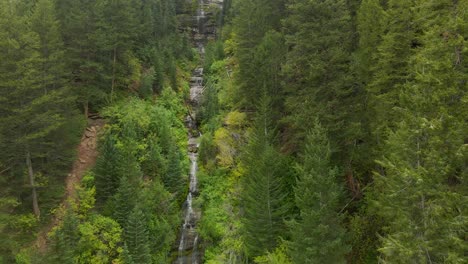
pixel 334 131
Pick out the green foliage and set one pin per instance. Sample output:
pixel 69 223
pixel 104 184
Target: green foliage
pixel 13 225
pixel 279 256
pixel 387 81
pixel 147 83
pixel 57 54
pixel 100 240
pixel 136 237
pixel 417 194
pixel 265 198
pixel 107 168
pixel 317 70
pixel 207 151
pixel 65 239
pixel 124 200
pixel 173 178
pixel 256 48
pixel 162 220
pixel 214 51
pixel 317 236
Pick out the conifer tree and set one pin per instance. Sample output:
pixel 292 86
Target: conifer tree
pixel 78 28
pixel 46 26
pixel 54 80
pixel 107 168
pixel 125 256
pixel 173 177
pixel 66 239
pixel 418 194
pixel 391 70
pixel 317 65
pixel 29 113
pixel 253 21
pixel 124 200
pixel 136 237
pixel 318 235
pixel 116 26
pixel 265 199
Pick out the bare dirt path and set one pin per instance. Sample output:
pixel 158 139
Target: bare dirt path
pixel 86 158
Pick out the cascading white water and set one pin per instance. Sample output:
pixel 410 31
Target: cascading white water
pixel 188 251
pixel 188 244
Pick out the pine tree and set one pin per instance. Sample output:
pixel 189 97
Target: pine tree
pixel 78 28
pixel 136 237
pixel 116 26
pixel 265 200
pixel 318 34
pixel 47 27
pixel 318 235
pixel 107 168
pixel 253 21
pixel 419 193
pixel 173 177
pixel 391 70
pixel 29 113
pixel 54 80
pixel 124 200
pixel 66 239
pixel 125 256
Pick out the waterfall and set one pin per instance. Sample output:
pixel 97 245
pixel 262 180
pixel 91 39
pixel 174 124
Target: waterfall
pixel 188 251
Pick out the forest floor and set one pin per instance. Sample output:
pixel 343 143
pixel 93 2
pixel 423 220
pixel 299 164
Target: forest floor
pixel 85 160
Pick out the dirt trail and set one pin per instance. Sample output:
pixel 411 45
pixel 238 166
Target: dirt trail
pixel 86 158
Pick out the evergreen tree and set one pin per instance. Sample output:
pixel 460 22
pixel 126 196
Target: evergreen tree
pixel 264 198
pixel 317 71
pixel 116 26
pixel 136 237
pixel 173 177
pixel 125 256
pixel 66 239
pixel 318 235
pixel 155 165
pixel 29 112
pixel 46 26
pixel 54 79
pixel 124 200
pixel 78 24
pixel 419 193
pixel 116 160
pixel 391 71
pixel 254 19
pixel 107 168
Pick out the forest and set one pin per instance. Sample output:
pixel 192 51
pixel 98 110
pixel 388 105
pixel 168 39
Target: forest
pixel 233 131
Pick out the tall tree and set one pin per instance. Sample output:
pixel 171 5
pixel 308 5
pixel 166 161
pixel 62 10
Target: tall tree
pixel 317 71
pixel 78 24
pixel 136 237
pixel 264 197
pixel 124 200
pixel 65 239
pixel 391 71
pixel 253 21
pixel 419 193
pixel 318 235
pixel 116 26
pixel 30 110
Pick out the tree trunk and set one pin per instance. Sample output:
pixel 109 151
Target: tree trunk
pixel 36 210
pixel 113 74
